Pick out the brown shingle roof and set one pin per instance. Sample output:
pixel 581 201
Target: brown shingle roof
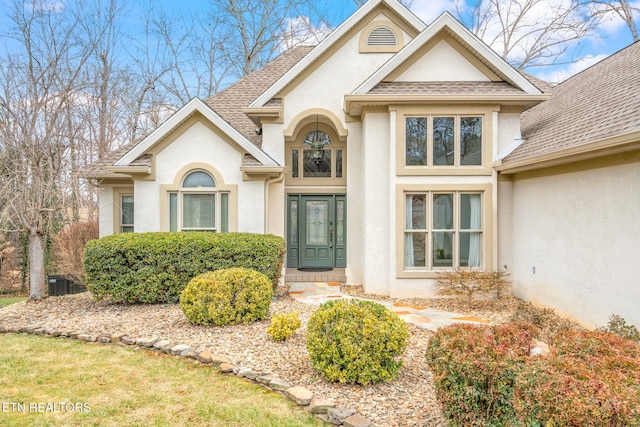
pixel 98 168
pixel 229 102
pixel 600 102
pixel 445 88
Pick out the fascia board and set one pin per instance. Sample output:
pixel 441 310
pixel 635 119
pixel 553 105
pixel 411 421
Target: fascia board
pixel 617 144
pixel 195 105
pixel 446 20
pixel 353 103
pixel 325 44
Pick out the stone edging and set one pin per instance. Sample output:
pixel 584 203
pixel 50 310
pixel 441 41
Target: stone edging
pixel 301 396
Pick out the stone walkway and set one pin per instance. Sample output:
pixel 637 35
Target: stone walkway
pixel 317 293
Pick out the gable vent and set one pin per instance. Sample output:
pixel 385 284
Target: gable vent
pixel 382 36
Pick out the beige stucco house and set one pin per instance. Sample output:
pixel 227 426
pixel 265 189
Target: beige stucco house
pixel 389 152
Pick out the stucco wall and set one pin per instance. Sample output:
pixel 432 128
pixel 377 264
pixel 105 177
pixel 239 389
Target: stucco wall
pixel 199 144
pixel 105 210
pixel 429 67
pixel 576 234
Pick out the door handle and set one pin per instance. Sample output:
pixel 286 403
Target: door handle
pixel 330 234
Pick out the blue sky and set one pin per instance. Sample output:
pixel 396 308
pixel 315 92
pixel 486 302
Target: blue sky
pixel 612 36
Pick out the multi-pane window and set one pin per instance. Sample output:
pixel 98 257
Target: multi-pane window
pixel 198 205
pixel 317 158
pixel 443 141
pixel 126 213
pixel 443 230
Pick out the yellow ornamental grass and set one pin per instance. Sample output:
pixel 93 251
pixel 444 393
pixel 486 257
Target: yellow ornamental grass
pixel 227 296
pixel 283 325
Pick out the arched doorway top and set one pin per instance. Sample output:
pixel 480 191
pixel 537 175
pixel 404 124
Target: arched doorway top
pixel 311 116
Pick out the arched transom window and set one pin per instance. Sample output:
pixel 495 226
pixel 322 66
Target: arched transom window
pixel 198 205
pixel 318 157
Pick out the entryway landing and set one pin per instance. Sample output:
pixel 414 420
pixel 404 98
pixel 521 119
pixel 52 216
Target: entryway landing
pixel 426 318
pixel 335 275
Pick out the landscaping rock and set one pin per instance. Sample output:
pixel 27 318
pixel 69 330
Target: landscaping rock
pixel 319 406
pixel 204 356
pixel 278 384
pixel 217 361
pixel 88 337
pixel 191 353
pixel 115 338
pixel 162 343
pixel 539 348
pixel 128 340
pixel 300 395
pixel 177 350
pixel 265 379
pixel 338 415
pixel 226 368
pixel 104 339
pixel 147 342
pixel 357 420
pixel 242 371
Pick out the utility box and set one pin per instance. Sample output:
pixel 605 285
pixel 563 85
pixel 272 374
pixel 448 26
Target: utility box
pixel 60 285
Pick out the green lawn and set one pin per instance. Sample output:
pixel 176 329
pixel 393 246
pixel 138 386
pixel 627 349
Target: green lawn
pixel 110 385
pixel 6 301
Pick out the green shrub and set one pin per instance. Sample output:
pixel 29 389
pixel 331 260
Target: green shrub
pixel 469 283
pixel 617 325
pixel 591 379
pixel 475 369
pixel 227 296
pixel 283 325
pixel 155 267
pixel 356 341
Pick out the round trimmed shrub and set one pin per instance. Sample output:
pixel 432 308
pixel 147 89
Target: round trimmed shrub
pixel 356 341
pixel 227 296
pixel 283 325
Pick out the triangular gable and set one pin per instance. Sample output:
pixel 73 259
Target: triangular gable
pixel 465 37
pixel 192 107
pixel 331 39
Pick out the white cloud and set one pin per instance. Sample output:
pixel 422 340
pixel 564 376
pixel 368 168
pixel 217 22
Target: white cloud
pixel 612 23
pixel 45 5
pixel 300 31
pixel 429 10
pixel 560 74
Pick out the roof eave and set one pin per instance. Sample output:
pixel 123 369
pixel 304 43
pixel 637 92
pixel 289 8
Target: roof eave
pixel 353 104
pixel 193 106
pixel 260 114
pixel 614 145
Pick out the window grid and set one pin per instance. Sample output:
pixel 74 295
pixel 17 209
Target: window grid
pixel 427 232
pixel 443 140
pixel 205 213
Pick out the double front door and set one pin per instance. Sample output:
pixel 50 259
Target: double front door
pixel 316 231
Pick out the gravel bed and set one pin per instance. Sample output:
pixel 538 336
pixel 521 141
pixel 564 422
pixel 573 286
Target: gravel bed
pixel 407 401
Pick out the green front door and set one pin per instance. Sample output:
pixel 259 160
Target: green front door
pixel 316 231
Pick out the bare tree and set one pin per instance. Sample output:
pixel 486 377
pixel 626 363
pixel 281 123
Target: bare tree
pixel 36 86
pixel 623 9
pixel 256 29
pixel 529 33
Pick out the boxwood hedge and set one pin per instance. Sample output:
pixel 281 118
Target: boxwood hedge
pixel 156 267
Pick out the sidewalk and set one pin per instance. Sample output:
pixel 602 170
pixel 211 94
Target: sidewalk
pixel 427 318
